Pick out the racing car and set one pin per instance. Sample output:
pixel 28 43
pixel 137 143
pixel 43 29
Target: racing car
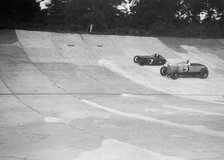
pixel 184 69
pixel 155 59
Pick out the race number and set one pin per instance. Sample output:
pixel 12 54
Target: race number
pixel 186 69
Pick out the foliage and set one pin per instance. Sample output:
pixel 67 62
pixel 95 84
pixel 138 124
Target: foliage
pixel 80 14
pixel 194 9
pixel 20 11
pixel 148 12
pixel 192 18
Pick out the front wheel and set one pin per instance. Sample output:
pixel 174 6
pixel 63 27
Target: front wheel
pixel 136 59
pixel 163 71
pixel 174 75
pixel 204 73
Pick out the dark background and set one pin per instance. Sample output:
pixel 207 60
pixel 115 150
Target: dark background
pixel 176 18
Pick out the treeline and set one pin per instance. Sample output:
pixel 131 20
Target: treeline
pixel 181 18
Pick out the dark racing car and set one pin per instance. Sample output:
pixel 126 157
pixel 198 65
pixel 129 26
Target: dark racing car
pixel 155 59
pixel 184 69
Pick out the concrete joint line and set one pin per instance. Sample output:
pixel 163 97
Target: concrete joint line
pixel 58 48
pixel 19 100
pixel 34 64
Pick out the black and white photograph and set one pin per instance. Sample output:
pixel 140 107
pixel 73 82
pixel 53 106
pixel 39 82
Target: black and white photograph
pixel 111 79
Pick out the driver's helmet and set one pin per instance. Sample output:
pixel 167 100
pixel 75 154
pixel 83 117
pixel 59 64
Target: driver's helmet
pixel 188 62
pixel 156 55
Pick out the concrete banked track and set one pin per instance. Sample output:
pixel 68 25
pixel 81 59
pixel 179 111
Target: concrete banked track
pixel 81 97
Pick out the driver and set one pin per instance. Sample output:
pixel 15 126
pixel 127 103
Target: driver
pixel 188 62
pixel 157 55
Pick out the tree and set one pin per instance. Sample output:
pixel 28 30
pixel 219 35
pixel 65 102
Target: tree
pixel 214 10
pixel 199 11
pixel 148 12
pixel 101 13
pixel 55 14
pixel 79 14
pixel 20 11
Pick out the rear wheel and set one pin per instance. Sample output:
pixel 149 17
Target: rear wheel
pixel 141 63
pixel 204 73
pixel 136 59
pixel 174 75
pixel 163 71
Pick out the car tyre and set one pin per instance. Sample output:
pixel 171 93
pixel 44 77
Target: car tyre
pixel 204 73
pixel 142 62
pixel 163 71
pixel 174 75
pixel 136 59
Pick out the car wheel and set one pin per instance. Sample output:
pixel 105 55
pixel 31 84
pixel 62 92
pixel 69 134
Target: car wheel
pixel 163 71
pixel 174 75
pixel 141 63
pixel 136 59
pixel 204 73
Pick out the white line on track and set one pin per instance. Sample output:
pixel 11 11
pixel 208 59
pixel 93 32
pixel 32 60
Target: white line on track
pixel 169 86
pixel 137 96
pixel 198 129
pixel 173 107
pixel 193 110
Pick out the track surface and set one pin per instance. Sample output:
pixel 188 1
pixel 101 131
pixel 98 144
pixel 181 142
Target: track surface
pixel 81 97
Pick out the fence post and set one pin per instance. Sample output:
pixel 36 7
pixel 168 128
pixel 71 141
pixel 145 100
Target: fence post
pixel 91 28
